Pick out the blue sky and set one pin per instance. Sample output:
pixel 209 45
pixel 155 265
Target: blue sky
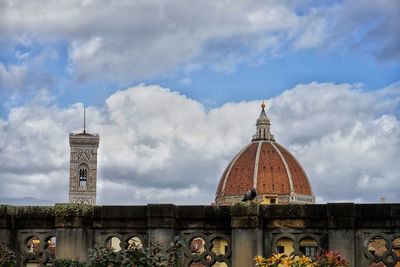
pixel 279 74
pixel 341 42
pixel 210 87
pixel 59 54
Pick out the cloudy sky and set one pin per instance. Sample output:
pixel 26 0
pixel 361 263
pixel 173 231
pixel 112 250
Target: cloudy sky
pixel 174 89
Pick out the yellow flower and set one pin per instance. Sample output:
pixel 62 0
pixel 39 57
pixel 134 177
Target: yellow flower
pixel 259 259
pixel 287 262
pixel 303 260
pixel 282 260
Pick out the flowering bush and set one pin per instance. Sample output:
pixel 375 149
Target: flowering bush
pixel 327 259
pixel 281 260
pixel 68 263
pixel 153 256
pixel 331 259
pixel 7 256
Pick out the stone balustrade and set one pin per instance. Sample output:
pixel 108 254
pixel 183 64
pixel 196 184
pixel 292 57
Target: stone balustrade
pixel 214 235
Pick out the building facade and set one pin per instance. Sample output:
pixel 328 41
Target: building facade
pixel 267 167
pixel 83 167
pixel 365 234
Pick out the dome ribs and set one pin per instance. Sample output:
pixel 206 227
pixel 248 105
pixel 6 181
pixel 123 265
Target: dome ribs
pixel 286 184
pixel 275 168
pixel 300 180
pixel 270 171
pixel 240 178
pixel 221 181
pixel 267 166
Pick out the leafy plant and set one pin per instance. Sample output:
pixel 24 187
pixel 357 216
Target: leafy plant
pixel 281 260
pixel 68 263
pixel 154 255
pixel 173 249
pixel 7 256
pixel 330 259
pixel 136 256
pixel 105 257
pixel 327 259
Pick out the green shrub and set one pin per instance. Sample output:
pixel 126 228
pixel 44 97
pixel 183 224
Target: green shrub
pixel 153 256
pixel 68 263
pixel 105 257
pixel 7 256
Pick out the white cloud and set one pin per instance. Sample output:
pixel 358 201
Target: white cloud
pixel 13 76
pixel 157 145
pixel 313 31
pixel 26 80
pixel 365 26
pixel 128 40
pixel 87 50
pixel 346 138
pixel 186 81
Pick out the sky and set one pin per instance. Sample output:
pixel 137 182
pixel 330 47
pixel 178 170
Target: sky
pixel 174 89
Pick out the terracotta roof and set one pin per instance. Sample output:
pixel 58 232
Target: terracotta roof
pixel 277 169
pixel 265 165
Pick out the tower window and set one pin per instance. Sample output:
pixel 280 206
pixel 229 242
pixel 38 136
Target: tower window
pixel 83 176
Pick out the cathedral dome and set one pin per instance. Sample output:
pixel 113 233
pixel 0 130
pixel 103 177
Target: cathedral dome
pixel 266 166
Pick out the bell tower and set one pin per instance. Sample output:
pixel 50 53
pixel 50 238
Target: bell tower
pixel 83 166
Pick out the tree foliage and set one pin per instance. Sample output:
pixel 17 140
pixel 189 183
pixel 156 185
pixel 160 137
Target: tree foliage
pixel 154 255
pixel 7 256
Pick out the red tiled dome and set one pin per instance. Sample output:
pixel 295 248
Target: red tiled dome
pixel 269 168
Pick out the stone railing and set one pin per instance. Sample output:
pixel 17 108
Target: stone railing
pixel 214 235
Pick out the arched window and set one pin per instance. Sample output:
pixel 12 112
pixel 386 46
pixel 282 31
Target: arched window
pixel 83 171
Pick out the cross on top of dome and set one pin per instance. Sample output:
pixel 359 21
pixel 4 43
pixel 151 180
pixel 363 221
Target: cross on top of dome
pixel 263 127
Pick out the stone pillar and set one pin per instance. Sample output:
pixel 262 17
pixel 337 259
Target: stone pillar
pixel 341 223
pixel 161 223
pixel 6 231
pixel 73 230
pixel 247 234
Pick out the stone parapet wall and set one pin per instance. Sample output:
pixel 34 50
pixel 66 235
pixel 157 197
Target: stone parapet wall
pixel 246 230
